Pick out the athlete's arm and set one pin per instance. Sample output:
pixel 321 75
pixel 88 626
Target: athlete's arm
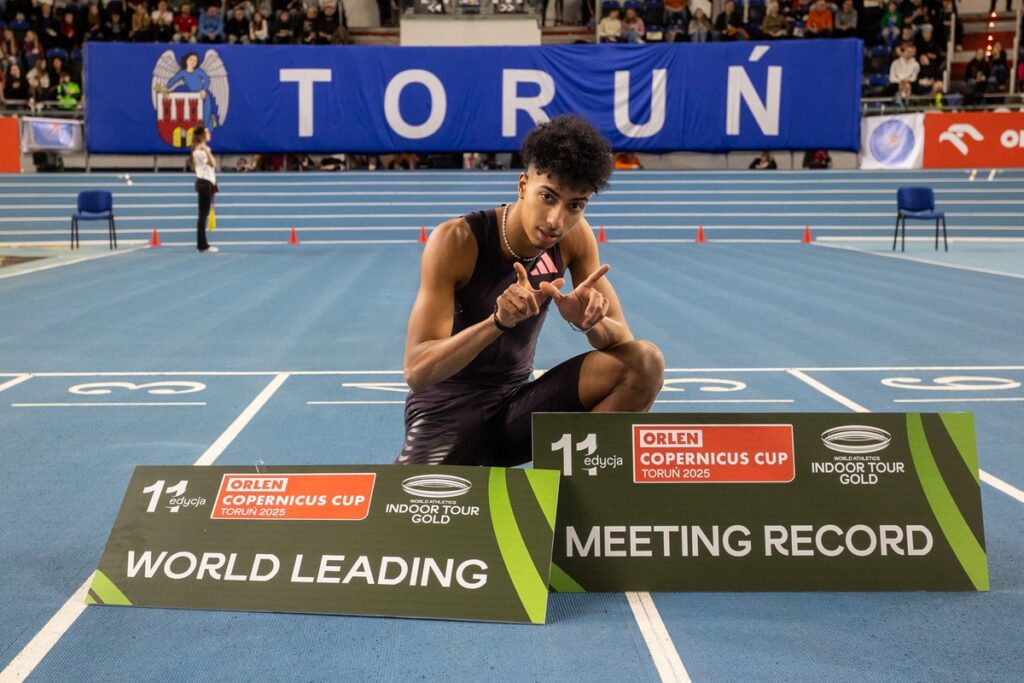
pixel 432 353
pixel 592 305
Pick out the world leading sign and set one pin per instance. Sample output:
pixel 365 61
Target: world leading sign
pixel 766 502
pixel 148 98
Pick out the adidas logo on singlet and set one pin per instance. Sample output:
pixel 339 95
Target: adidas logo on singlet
pixel 545 266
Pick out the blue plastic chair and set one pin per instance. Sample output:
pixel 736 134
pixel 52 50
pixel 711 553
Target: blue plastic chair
pixel 917 203
pixel 94 205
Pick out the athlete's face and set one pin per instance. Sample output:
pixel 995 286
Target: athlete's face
pixel 549 208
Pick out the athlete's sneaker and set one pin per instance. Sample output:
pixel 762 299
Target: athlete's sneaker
pixel 210 250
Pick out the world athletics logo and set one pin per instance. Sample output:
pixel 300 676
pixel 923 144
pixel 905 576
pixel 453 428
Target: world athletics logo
pixel 892 143
pixel 187 94
pixel 436 486
pixel 856 439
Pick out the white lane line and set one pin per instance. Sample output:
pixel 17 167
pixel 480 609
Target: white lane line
pixel 225 439
pixel 659 642
pixel 352 403
pixel 995 482
pixel 15 382
pixel 828 391
pixel 957 400
pixel 1000 485
pixel 725 400
pixel 61 264
pixel 332 373
pixel 929 262
pixel 26 661
pixel 156 404
pixel 647 202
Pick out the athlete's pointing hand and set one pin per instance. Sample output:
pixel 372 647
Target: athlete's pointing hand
pixel 584 306
pixel 520 300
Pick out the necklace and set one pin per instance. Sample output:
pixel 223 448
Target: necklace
pixel 504 237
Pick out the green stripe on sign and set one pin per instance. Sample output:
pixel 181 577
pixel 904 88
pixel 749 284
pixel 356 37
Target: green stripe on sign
pixel 562 582
pixel 545 489
pixel 528 584
pixel 961 429
pixel 105 589
pixel 958 534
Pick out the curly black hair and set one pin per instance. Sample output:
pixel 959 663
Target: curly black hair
pixel 569 148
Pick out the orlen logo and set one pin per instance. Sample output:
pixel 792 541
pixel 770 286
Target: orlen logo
pixel 177 496
pixel 856 439
pixel 955 135
pixel 436 486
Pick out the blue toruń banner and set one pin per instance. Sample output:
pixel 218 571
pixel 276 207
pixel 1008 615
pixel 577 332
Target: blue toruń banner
pixel 786 95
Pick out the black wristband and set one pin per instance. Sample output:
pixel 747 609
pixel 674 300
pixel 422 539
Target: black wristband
pixel 497 323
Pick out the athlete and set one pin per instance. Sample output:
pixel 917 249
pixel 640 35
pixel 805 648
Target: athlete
pixel 487 282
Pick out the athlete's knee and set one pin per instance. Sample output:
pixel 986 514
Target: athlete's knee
pixel 645 368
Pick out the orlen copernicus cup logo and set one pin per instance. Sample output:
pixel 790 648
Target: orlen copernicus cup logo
pixel 187 93
pixel 305 496
pixel 713 454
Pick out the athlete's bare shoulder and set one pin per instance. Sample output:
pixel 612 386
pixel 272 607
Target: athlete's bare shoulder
pixel 578 244
pixel 452 247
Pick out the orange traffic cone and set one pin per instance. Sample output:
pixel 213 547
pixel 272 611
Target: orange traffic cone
pixel 807 235
pixel 601 237
pixel 423 234
pixel 700 235
pixel 154 241
pixel 293 238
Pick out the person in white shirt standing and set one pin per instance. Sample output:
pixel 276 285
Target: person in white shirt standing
pixel 206 183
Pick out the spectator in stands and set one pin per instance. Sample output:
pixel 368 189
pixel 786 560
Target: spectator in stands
pixel 869 19
pixel 892 24
pixel 998 68
pixel 976 76
pixel 944 19
pixel 211 25
pixel 94 29
pixel 904 93
pixel 116 29
pixel 327 24
pixel 285 32
pixel 765 162
pixel 139 32
pixel 308 35
pixel 10 46
pixel 610 28
pixel 905 68
pixel 47 27
pixel 676 12
pixel 30 46
pixel 39 82
pixel 817 158
pixel 632 27
pixel 818 21
pixel 236 28
pixel 729 24
pixel 846 21
pixel 259 30
pixel 916 15
pixel 926 43
pixel 68 92
pixel 186 25
pixel 774 25
pixel 15 87
pixel 69 38
pixel 56 69
pixel 700 26
pixel 162 23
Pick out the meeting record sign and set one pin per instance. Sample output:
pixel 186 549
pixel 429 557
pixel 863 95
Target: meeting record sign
pixel 746 502
pixel 416 541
